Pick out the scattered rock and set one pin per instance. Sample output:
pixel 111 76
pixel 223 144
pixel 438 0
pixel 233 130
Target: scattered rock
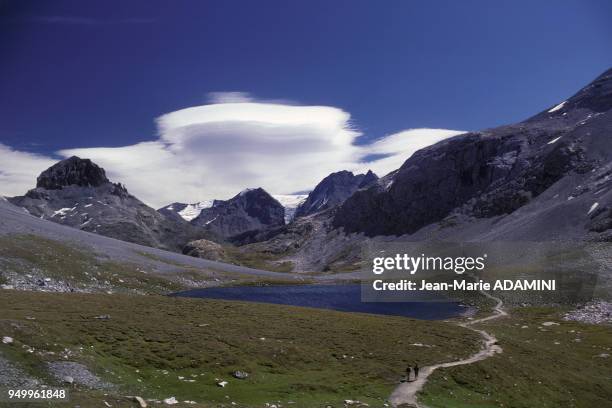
pixel 9 287
pixel 349 402
pixel 547 324
pixel 222 383
pixel 170 401
pixel 141 402
pixel 79 374
pixel 7 340
pixel 13 376
pixel 598 312
pixel 241 375
pixel 102 317
pixel 68 379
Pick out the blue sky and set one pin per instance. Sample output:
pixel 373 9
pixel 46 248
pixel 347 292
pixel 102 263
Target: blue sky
pixel 78 74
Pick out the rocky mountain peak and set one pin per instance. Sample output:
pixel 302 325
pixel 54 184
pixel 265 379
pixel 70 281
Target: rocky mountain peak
pixel 368 179
pixel 333 190
pixel 251 209
pixel 261 205
pixel 594 99
pixel 72 171
pixel 597 96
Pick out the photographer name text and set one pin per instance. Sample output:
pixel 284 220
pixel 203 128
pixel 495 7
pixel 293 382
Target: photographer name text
pixel 456 285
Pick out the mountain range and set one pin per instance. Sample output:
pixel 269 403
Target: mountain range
pixel 546 178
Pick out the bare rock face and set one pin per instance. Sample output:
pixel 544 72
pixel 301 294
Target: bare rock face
pixel 250 210
pixel 73 171
pixel 205 249
pixel 494 173
pixel 76 192
pixel 333 190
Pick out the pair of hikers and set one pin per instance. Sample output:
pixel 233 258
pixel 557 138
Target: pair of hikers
pixel 412 369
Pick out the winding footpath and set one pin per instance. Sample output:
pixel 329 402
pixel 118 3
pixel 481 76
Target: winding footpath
pixel 406 393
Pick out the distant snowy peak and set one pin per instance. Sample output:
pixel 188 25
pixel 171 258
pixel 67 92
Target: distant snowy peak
pixel 291 202
pixel 189 212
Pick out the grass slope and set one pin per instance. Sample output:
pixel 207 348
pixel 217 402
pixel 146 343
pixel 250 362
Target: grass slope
pixel 305 356
pixel 22 255
pixel 30 258
pixel 541 366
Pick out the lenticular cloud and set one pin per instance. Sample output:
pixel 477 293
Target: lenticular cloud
pixel 216 150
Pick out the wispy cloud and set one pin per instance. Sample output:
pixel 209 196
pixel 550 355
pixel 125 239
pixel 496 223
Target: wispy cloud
pixel 229 97
pixel 74 20
pixel 19 169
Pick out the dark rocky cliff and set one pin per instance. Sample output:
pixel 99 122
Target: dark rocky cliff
pixel 333 190
pixel 495 172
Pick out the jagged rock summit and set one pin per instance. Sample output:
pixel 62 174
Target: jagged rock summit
pixel 333 190
pixel 72 171
pixel 77 193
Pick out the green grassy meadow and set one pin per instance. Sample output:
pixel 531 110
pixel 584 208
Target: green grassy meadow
pixel 158 347
pixel 548 366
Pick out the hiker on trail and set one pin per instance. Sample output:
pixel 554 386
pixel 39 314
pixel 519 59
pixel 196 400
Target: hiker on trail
pixel 408 373
pixel 416 370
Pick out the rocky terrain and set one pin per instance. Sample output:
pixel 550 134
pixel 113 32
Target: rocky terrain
pixel 333 190
pixel 76 192
pixel 548 177
pixel 203 248
pixel 37 254
pixel 596 312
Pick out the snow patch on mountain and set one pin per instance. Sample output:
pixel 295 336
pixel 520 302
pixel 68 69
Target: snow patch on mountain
pixel 63 211
pixel 558 107
pixel 191 211
pixel 291 202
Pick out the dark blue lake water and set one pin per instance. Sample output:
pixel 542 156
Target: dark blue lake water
pixel 346 298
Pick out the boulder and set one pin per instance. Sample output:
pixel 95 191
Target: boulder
pixel 203 248
pixel 241 375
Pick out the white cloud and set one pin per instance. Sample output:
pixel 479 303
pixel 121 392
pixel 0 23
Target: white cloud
pixel 398 147
pixel 18 170
pixel 216 150
pixel 229 97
